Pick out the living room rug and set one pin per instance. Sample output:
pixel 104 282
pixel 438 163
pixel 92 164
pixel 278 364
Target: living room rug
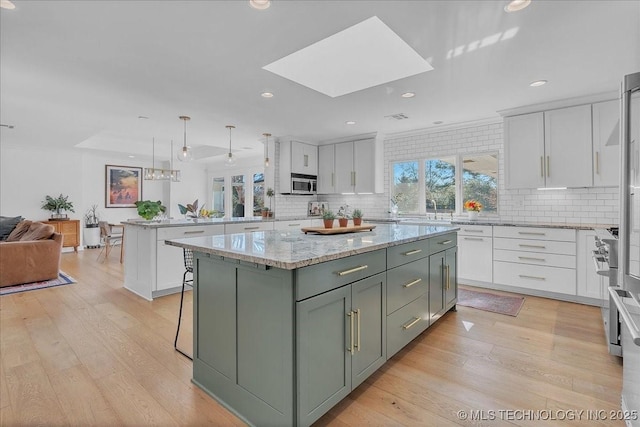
pixel 63 279
pixel 502 304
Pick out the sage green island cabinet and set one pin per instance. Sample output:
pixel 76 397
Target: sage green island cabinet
pixel 286 324
pixel 443 288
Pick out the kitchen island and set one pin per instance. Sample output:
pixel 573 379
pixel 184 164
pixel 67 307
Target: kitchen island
pixel 286 324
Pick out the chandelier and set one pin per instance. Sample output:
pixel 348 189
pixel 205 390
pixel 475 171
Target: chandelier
pixel 158 174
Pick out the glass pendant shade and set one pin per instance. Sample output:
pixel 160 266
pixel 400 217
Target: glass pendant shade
pixel 158 174
pixel 266 149
pixel 230 160
pixel 185 154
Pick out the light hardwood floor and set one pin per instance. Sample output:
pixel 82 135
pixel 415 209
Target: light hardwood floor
pixel 94 354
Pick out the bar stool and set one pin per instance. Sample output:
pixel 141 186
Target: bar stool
pixel 188 268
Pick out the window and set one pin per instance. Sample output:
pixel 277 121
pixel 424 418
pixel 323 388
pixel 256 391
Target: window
pixel 218 197
pixel 237 196
pixel 405 186
pixel 480 180
pixel 440 184
pixel 258 193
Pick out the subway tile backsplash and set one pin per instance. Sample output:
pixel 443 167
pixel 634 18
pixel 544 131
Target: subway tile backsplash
pixel 578 205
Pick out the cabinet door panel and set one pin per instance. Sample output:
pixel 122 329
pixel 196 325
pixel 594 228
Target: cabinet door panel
pixel 450 285
pixel 476 258
pixel 606 143
pixel 344 167
pixel 326 169
pixel 368 299
pixel 324 365
pixel 568 142
pixel 363 165
pixel 170 266
pixel 524 151
pixel 436 286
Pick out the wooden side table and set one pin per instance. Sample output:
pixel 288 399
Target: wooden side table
pixel 70 230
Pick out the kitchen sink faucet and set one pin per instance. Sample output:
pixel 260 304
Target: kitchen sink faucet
pixel 435 209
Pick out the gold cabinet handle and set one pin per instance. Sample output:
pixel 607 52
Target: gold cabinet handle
pixel 294 225
pixel 332 178
pixel 448 277
pixel 471 230
pixel 532 246
pixel 530 258
pixel 531 233
pixel 251 228
pixel 351 344
pixel 548 166
pixel 524 276
pixel 477 239
pixel 353 270
pixel 410 324
pixel 598 162
pixel 410 284
pixel 542 166
pixel 413 252
pixel 358 326
pixel 306 160
pixel 193 232
pixel 445 242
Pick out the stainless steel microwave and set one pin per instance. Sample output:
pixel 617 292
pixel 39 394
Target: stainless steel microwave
pixel 304 184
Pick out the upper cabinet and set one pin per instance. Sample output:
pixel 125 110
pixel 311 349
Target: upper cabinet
pixel 606 143
pixel 351 167
pixel 549 149
pixel 296 157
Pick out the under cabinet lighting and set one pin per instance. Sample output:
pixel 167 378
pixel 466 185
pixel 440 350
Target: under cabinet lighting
pixel 551 188
pixel 350 122
pixel 266 95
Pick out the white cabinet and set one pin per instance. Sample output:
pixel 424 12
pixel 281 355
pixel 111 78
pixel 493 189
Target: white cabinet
pixel 355 166
pixel 590 284
pixel 296 157
pixel 248 227
pixel 606 144
pixel 538 259
pixel 293 225
pixel 326 169
pixel 539 147
pixel 475 253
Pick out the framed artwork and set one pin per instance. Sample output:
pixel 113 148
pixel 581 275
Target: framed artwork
pixel 123 186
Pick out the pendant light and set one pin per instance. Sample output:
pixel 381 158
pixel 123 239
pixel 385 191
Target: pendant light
pixel 266 149
pixel 185 154
pixel 230 160
pixel 157 174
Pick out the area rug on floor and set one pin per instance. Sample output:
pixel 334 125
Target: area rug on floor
pixel 63 279
pixel 502 304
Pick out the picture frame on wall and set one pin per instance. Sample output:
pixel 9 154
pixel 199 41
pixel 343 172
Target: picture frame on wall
pixel 123 186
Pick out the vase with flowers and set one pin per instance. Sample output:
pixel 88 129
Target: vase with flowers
pixel 473 208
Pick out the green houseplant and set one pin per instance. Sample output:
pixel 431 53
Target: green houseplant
pixel 148 209
pixel 267 211
pixel 328 216
pixel 58 204
pixel 357 217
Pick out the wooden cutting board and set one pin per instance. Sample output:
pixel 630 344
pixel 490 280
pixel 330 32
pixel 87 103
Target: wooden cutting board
pixel 338 230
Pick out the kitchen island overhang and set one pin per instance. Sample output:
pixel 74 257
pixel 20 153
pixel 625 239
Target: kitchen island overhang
pixel 287 324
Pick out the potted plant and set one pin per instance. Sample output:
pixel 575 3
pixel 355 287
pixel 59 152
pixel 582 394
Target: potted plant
pixel 473 208
pixel 190 211
pixel 357 217
pixel 91 233
pixel 328 217
pixel 270 193
pixel 343 217
pixel 60 203
pixel 148 209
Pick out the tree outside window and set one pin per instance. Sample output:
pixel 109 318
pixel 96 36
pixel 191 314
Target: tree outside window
pixel 480 180
pixel 406 187
pixel 440 184
pixel 258 193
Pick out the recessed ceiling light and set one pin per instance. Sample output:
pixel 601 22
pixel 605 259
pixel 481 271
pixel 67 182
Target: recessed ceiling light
pixel 438 122
pixel 260 4
pixel 7 4
pixel 350 122
pixel 266 95
pixel 538 83
pixel 408 95
pixel 132 157
pixel 516 5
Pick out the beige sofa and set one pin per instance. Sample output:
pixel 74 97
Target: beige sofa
pixel 31 253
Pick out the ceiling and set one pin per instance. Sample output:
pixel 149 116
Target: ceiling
pixel 80 73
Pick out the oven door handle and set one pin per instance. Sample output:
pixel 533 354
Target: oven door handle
pixel 597 257
pixel 615 293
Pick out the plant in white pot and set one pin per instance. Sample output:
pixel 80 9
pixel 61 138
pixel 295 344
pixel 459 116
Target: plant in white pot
pixel 91 234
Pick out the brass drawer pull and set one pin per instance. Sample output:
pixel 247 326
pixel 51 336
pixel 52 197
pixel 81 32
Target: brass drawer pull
pixel 294 225
pixel 477 239
pixel 531 233
pixel 410 284
pixel 471 230
pixel 251 228
pixel 353 270
pixel 193 232
pixel 413 252
pixel 445 242
pixel 532 258
pixel 358 326
pixel 533 246
pixel 351 348
pixel 524 276
pixel 413 322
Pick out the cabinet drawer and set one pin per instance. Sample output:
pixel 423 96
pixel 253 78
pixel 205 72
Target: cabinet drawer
pixel 440 243
pixel 406 324
pixel 476 230
pixel 319 278
pixel 406 283
pixel 407 252
pixel 552 279
pixel 551 260
pixel 539 246
pixel 189 231
pixel 536 233
pixel 248 227
pixel 292 225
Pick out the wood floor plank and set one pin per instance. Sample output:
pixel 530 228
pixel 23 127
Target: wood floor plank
pixel 118 367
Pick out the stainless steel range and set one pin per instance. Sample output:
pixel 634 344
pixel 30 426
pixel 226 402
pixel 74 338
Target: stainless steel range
pixel 605 258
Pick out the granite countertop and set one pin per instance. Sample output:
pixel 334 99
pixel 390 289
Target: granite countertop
pixel 531 224
pixel 291 250
pixel 206 221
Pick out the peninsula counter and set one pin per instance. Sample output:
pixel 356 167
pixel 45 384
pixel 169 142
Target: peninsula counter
pixel 286 324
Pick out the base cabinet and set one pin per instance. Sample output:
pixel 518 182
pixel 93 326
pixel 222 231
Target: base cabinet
pixel 340 342
pixel 443 288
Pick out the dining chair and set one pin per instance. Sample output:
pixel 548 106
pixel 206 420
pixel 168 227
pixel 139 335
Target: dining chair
pixel 109 239
pixel 188 269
